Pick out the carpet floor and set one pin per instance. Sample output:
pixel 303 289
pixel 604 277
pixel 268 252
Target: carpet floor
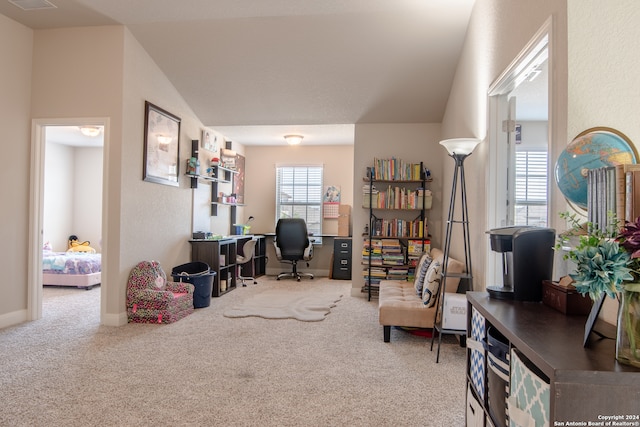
pixel 210 370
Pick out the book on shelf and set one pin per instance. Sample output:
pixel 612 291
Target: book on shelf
pixel 393 259
pixel 397 273
pixel 394 197
pixel 375 272
pixel 397 227
pixel 631 192
pixel 415 248
pixel 395 170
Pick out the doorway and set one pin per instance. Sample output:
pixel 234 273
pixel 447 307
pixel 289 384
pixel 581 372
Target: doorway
pixel 519 136
pixel 68 168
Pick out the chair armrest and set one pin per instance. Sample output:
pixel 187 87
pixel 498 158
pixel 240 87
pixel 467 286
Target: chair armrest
pixel 180 287
pixel 308 251
pixel 277 249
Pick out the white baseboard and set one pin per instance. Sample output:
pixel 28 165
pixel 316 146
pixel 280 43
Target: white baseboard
pixel 119 319
pixel 13 318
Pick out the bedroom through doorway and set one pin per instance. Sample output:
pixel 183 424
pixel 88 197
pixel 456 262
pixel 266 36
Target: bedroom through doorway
pixel 68 193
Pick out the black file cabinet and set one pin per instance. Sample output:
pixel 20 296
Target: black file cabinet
pixel 342 258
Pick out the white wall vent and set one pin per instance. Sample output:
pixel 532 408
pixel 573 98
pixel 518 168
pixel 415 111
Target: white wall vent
pixel 33 4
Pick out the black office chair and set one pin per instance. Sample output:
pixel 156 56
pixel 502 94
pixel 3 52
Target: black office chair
pixel 292 244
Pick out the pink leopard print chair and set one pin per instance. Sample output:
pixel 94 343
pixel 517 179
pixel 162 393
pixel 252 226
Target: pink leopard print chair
pixel 153 299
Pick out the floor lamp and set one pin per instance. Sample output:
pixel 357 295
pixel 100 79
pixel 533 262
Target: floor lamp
pixel 459 149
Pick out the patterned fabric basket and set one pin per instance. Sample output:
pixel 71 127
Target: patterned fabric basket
pixel 497 376
pixel 477 348
pixel 529 398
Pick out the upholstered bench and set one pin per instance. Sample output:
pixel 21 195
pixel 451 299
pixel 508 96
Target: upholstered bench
pixel 400 304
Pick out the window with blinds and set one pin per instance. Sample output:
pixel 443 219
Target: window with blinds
pixel 531 188
pixel 299 195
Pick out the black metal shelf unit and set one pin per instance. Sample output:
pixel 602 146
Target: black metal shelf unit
pixel 398 228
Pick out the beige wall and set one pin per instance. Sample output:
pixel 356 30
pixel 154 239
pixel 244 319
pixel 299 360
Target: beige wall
pixel 58 195
pixel 87 204
pixel 72 195
pixel 261 184
pixel 411 143
pixel 66 85
pixel 498 31
pixel 141 220
pixel 16 47
pixel 602 89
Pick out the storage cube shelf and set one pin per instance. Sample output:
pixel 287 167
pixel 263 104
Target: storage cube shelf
pixel 571 383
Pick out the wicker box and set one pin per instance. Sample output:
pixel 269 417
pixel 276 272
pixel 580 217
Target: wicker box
pixel 566 300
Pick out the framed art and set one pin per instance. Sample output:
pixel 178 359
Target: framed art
pixel 161 146
pixel 591 320
pixel 209 140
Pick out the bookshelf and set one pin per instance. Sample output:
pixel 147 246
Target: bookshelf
pixel 396 196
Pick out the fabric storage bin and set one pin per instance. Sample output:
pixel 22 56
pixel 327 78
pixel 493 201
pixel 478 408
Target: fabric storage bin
pixel 454 311
pixel 475 414
pixel 475 343
pixel 530 394
pixel 497 376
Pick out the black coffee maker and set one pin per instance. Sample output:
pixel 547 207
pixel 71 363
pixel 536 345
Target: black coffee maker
pixel 527 260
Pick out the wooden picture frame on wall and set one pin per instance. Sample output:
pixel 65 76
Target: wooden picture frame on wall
pixel 161 146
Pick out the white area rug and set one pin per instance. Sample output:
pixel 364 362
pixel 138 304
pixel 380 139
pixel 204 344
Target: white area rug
pixel 310 305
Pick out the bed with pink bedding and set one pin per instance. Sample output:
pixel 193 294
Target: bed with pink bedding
pixel 76 269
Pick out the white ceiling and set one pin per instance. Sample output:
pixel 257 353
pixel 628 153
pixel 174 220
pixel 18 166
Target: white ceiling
pixel 71 135
pixel 258 69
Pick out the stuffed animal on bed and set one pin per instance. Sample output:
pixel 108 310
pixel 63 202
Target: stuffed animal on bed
pixel 76 246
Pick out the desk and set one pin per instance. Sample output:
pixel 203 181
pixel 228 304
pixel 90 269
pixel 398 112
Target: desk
pixel 220 255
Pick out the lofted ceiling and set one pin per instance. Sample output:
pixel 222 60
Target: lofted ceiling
pixel 258 69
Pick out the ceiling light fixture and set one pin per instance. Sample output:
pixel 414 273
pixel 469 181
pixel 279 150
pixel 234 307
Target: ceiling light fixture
pixel 164 139
pixel 91 131
pixel 293 139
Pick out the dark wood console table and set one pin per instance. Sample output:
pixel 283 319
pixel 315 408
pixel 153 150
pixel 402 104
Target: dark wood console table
pixel 587 384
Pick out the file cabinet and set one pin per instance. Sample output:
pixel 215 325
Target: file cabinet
pixel 342 258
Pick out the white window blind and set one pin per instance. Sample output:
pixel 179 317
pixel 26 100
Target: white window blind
pixel 531 188
pixel 299 195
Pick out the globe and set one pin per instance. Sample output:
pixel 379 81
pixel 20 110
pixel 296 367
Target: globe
pixel 589 150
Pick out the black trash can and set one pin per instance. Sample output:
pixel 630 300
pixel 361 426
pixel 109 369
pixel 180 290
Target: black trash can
pixel 497 376
pixel 200 276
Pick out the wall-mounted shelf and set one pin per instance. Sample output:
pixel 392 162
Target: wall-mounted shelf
pixel 224 176
pixel 218 175
pixel 206 178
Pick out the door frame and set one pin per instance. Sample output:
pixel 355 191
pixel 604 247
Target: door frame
pixel 36 210
pixel 498 109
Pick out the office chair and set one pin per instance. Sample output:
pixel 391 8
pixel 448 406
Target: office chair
pixel 248 250
pixel 292 244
